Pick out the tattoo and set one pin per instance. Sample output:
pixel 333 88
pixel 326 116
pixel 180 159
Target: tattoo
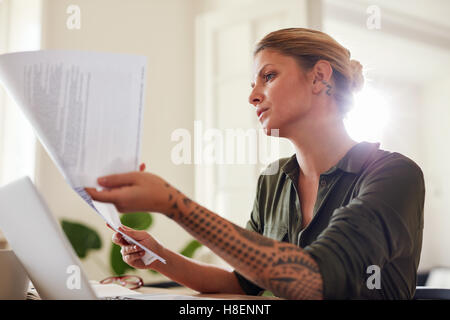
pixel 254 237
pixel 294 260
pixel 187 201
pixel 282 268
pixel 329 87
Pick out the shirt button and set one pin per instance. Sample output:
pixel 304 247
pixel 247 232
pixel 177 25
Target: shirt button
pixel 323 183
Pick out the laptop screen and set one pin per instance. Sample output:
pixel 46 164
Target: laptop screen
pixel 40 244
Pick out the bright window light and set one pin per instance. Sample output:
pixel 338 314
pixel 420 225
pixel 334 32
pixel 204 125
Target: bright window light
pixel 20 31
pixel 369 116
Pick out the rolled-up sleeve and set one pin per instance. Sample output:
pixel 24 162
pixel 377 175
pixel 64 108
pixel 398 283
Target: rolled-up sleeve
pixel 378 226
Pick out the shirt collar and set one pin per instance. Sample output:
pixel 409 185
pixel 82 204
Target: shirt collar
pixel 290 168
pixel 357 156
pixel 352 162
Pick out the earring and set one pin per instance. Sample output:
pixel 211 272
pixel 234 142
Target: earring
pixel 329 87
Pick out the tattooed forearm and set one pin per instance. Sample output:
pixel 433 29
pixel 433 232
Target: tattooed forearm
pixel 282 268
pixel 253 237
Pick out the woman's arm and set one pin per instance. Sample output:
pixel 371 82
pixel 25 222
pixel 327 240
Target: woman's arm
pixel 285 269
pixel 195 275
pixel 201 277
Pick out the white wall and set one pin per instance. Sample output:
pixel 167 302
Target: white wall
pixel 19 31
pixel 436 150
pixel 163 32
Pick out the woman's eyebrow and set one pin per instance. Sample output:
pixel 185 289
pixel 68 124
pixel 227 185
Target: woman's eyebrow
pixel 261 71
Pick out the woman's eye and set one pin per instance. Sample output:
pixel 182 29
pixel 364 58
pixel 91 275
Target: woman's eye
pixel 269 76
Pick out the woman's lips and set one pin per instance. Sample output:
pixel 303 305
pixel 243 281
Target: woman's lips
pixel 259 112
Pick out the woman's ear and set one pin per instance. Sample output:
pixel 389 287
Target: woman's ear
pixel 321 75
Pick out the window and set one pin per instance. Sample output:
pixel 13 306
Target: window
pixel 19 31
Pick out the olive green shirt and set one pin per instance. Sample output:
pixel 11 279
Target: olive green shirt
pixel 368 212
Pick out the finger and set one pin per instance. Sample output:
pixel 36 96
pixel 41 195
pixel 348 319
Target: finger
pixel 137 235
pixel 89 191
pixel 130 249
pixel 117 180
pixel 130 258
pixel 105 195
pixel 118 239
pixel 142 167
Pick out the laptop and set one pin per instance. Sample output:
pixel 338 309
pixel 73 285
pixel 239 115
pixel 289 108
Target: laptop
pixel 38 241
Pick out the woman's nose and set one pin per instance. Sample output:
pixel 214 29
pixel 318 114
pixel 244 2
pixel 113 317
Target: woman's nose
pixel 255 98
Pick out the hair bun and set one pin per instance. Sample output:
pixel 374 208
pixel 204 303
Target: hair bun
pixel 357 80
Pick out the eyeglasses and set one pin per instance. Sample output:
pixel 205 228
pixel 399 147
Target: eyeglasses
pixel 129 282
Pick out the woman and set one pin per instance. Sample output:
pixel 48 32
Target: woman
pixel 338 220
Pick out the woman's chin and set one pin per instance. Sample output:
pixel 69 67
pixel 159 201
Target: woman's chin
pixel 270 130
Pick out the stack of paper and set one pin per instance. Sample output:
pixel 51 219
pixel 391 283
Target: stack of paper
pixel 86 109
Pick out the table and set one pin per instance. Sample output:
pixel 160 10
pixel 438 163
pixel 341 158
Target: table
pixel 189 292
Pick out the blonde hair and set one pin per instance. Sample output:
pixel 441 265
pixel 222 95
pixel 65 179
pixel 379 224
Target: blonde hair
pixel 309 46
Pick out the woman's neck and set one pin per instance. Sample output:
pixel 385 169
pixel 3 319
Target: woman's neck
pixel 318 149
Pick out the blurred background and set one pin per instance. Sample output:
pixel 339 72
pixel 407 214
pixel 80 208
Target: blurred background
pixel 199 55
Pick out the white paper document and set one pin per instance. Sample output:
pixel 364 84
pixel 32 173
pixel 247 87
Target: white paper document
pixel 86 109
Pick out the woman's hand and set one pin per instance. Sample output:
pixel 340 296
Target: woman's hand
pixel 134 191
pixel 131 253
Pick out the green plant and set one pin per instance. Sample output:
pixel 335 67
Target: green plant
pixel 190 248
pixel 81 237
